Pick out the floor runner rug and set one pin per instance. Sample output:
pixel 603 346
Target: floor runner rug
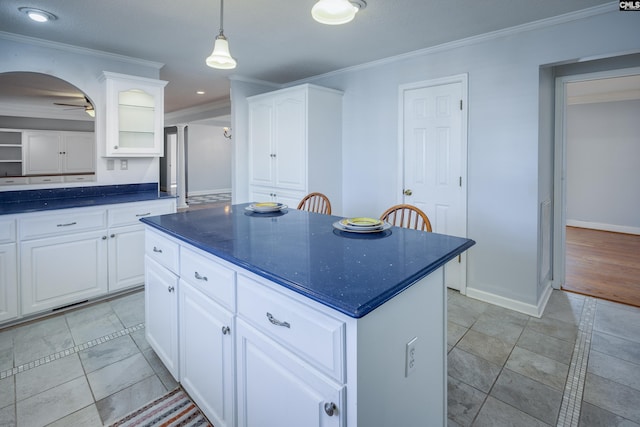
pixel 174 409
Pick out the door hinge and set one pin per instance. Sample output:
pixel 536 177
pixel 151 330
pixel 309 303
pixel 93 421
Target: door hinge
pixel 460 181
pixel 461 105
pixel 459 259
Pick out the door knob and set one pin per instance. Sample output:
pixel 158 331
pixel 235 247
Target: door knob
pixel 407 192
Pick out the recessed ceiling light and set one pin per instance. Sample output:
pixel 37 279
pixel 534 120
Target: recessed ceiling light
pixel 200 92
pixel 38 15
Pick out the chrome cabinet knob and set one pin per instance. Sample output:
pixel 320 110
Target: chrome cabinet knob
pixel 330 408
pixel 226 330
pixel 171 288
pixel 407 192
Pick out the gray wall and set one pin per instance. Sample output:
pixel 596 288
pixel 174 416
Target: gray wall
pixel 209 160
pixel 603 154
pixel 510 168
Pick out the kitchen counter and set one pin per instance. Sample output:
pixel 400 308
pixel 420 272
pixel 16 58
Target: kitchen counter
pixel 23 201
pixel 351 273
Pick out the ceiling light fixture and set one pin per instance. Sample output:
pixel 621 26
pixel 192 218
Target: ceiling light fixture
pixel 221 57
pixel 90 111
pixel 336 12
pixel 38 15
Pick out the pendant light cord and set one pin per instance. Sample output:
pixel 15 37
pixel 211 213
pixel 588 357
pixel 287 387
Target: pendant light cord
pixel 221 12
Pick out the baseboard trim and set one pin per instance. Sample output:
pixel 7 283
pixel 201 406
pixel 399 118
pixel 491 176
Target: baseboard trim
pixel 603 227
pixel 511 304
pixel 205 192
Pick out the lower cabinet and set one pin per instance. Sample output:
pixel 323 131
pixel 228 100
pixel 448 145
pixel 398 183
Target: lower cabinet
pixel 8 282
pixel 62 270
pixel 275 388
pixel 126 257
pixel 161 314
pixel 206 355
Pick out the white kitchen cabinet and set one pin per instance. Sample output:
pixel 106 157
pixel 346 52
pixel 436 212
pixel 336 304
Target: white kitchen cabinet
pixel 206 354
pixel 295 144
pixel 126 241
pixel 53 152
pixel 8 270
pixel 161 300
pixel 134 116
pixel 62 270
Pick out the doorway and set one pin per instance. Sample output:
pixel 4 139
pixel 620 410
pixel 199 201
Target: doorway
pixel 597 197
pixel 433 131
pixel 168 163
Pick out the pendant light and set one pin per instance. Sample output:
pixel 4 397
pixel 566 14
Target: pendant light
pixel 336 12
pixel 221 57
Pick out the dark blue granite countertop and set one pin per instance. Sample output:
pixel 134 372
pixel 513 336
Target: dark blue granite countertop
pixel 23 201
pixel 352 273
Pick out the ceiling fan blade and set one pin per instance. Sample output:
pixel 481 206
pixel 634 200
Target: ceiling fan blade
pixel 69 105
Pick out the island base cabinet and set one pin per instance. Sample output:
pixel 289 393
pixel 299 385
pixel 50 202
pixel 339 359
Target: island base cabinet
pixel 206 355
pixel 275 388
pixel 8 282
pixel 161 314
pixel 62 270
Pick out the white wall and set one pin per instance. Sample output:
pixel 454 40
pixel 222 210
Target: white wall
pixel 208 160
pixel 83 69
pixel 603 177
pixel 505 159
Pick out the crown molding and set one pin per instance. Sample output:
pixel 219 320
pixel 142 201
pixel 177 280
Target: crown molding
pixel 542 23
pixel 79 50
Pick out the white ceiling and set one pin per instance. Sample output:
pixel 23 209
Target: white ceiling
pixel 275 40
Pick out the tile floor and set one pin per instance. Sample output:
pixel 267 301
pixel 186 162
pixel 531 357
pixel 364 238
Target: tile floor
pixel 92 365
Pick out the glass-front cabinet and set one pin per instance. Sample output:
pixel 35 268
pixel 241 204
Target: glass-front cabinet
pixel 134 116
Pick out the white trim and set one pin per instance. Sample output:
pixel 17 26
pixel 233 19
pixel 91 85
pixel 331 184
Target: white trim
pixel 463 80
pixel 511 304
pixel 79 50
pixel 604 227
pixel 206 192
pixel 535 25
pixel 560 165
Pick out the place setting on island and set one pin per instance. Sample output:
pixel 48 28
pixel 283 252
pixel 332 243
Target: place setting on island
pixel 266 209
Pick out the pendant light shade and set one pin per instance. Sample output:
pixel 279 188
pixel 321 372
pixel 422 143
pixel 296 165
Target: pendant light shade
pixel 221 58
pixel 336 12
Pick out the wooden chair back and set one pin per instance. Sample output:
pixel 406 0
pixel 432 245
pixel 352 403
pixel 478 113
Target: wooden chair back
pixel 407 216
pixel 315 202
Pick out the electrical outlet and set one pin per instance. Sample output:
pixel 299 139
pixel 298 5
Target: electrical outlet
pixel 410 357
pixel 124 164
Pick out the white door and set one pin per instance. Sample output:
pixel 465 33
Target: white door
pixel 434 155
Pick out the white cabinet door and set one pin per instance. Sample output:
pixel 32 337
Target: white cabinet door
pixel 62 270
pixel 206 355
pixel 276 388
pixel 79 152
pixel 8 282
pixel 42 153
pixel 161 314
pixel 261 150
pixel 126 257
pixel 291 141
pixel 134 116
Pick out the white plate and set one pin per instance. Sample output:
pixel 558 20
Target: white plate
pixel 265 207
pixel 339 226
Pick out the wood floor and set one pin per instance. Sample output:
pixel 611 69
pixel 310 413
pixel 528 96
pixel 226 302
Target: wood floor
pixel 603 264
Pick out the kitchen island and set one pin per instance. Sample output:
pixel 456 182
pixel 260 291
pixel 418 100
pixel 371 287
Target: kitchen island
pixel 280 319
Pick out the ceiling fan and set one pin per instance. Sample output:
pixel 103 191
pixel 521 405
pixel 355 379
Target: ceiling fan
pixel 87 106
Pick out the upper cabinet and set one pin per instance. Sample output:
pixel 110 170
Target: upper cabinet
pixel 134 116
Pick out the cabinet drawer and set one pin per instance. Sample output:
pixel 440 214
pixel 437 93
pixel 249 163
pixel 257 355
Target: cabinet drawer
pixel 80 178
pixel 162 250
pixel 315 336
pixel 65 222
pixel 45 179
pixel 131 214
pixel 14 180
pixel 208 276
pixel 7 231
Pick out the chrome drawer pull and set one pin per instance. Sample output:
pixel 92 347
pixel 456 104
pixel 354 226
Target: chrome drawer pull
pixel 199 277
pixel 144 214
pixel 330 408
pixel 157 250
pixel 277 322
pixel 67 225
